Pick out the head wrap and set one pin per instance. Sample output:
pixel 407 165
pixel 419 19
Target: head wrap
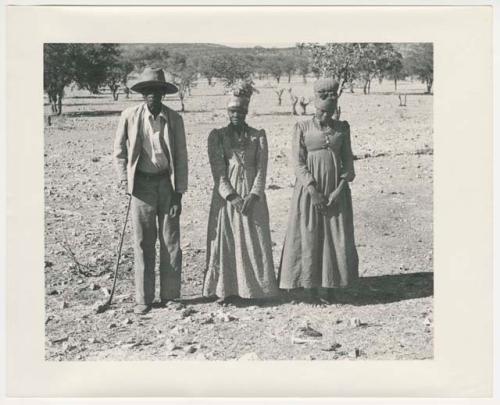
pixel 238 103
pixel 326 84
pixel 325 94
pixel 241 92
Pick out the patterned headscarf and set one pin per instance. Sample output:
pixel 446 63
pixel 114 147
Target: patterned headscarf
pixel 326 94
pixel 241 91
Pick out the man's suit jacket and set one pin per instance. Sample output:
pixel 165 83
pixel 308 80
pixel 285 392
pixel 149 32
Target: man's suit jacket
pixel 128 146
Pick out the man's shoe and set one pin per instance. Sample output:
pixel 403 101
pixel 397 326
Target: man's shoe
pixel 141 309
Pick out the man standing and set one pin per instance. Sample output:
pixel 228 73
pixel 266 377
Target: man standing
pixel 151 161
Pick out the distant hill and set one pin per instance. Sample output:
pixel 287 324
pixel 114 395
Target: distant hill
pixel 204 49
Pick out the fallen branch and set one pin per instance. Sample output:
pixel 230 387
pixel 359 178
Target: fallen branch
pixel 83 269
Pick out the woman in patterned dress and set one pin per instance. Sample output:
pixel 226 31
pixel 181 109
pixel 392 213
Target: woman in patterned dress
pixel 319 249
pixel 239 251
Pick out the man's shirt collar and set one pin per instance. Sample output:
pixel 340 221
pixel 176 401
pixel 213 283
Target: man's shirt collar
pixel 162 114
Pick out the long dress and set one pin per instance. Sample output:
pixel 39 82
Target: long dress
pixel 239 250
pixel 319 250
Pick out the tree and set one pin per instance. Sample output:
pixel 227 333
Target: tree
pixel 114 77
pixel 273 65
pixel 420 62
pixel 279 93
pixel 395 71
pixel 184 75
pixel 304 103
pixel 205 66
pixel 87 65
pixel 94 62
pixel 230 68
pixel 288 66
pixel 347 62
pixel 374 61
pixel 57 73
pixel 294 99
pixel 340 61
pixel 303 67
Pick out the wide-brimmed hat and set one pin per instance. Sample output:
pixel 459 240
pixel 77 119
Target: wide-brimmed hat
pixel 152 78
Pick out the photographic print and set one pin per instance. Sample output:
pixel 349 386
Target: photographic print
pixel 236 201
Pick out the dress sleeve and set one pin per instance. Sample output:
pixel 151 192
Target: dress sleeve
pixel 259 183
pixel 347 156
pixel 299 158
pixel 218 166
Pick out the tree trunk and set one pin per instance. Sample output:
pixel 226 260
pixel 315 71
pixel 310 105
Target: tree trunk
pixel 279 100
pixel 337 113
pixel 209 79
pixel 369 86
pixel 181 98
pixel 294 104
pixel 59 103
pixel 429 85
pixel 289 77
pixel 351 87
pixel 304 79
pixel 395 84
pixel 365 87
pixel 278 78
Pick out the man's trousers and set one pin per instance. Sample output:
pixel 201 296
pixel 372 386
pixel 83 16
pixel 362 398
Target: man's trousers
pixel 151 201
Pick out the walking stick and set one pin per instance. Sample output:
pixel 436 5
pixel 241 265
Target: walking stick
pixel 103 307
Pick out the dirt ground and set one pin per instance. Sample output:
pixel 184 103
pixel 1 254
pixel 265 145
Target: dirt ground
pixel 389 315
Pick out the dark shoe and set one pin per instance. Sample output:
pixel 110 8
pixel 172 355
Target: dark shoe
pixel 141 309
pixel 164 303
pixel 226 301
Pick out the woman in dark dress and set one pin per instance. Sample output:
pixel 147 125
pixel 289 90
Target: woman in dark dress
pixel 319 249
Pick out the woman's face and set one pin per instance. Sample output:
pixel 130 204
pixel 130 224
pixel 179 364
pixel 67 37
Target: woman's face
pixel 237 116
pixel 324 94
pixel 323 116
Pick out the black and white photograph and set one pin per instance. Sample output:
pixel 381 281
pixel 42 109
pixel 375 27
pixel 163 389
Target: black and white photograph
pixel 265 203
pixel 238 201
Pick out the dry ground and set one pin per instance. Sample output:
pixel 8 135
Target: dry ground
pixel 392 198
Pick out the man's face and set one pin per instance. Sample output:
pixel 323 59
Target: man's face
pixel 237 116
pixel 153 98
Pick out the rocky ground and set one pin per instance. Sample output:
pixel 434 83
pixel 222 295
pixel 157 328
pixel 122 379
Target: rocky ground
pixel 389 315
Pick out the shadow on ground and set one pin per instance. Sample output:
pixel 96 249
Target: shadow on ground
pixel 368 291
pixel 74 114
pixel 387 289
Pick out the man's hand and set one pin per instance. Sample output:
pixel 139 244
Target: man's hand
pixel 176 205
pixel 124 186
pixel 236 201
pixel 248 203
